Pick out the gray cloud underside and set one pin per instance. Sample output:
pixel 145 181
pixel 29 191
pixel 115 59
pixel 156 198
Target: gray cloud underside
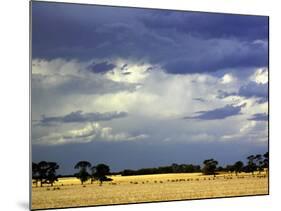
pixel 250 90
pixel 254 90
pixel 80 117
pixel 259 117
pixel 218 113
pixel 102 67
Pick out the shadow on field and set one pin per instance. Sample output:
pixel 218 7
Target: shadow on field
pixel 24 205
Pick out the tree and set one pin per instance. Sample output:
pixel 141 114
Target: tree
pixel 83 174
pixel 42 172
pixel 35 173
pixel 251 166
pixel 46 172
pixel 230 168
pixel 259 162
pixel 51 176
pixel 175 168
pixel 220 168
pixel 210 167
pixel 100 171
pixel 266 161
pixel 238 166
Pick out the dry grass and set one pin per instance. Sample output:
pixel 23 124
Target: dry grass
pixel 160 187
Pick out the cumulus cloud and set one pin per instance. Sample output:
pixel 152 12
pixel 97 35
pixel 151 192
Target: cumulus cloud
pixel 157 96
pixel 253 131
pixel 227 78
pixel 163 95
pixel 71 77
pixel 70 85
pixel 260 76
pixel 91 132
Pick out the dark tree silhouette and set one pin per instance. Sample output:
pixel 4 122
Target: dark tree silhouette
pixel 251 166
pixel 259 162
pixel 266 161
pixel 47 172
pixel 42 172
pixel 238 166
pixel 83 174
pixel 100 171
pixel 175 168
pixel 51 176
pixel 230 168
pixel 220 168
pixel 35 173
pixel 210 166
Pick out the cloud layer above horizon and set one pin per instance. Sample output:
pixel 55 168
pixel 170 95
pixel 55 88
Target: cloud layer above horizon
pixel 152 79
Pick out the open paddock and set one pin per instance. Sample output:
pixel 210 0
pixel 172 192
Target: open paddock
pixel 68 192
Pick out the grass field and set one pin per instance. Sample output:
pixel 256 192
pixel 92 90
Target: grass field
pixel 68 192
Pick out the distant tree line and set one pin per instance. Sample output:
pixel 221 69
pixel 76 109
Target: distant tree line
pixel 174 168
pixel 210 167
pixel 45 172
pixel 255 163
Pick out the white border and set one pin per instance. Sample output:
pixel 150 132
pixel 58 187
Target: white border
pixel 15 103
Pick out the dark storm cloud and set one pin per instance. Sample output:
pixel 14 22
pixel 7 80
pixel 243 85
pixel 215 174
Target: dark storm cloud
pixel 259 117
pixel 79 116
pixel 210 25
pixel 215 56
pixel 250 90
pixel 218 113
pixel 102 67
pixel 181 42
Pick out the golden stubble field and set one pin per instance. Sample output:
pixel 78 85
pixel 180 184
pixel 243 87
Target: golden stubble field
pixel 68 192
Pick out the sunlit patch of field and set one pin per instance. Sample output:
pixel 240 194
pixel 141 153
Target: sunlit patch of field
pixel 68 192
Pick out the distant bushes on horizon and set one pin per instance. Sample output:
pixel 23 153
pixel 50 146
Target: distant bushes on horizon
pixel 255 163
pixel 174 168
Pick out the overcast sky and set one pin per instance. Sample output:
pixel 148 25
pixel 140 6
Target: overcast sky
pixel 137 88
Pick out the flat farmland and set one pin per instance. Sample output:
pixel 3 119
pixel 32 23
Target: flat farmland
pixel 68 192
